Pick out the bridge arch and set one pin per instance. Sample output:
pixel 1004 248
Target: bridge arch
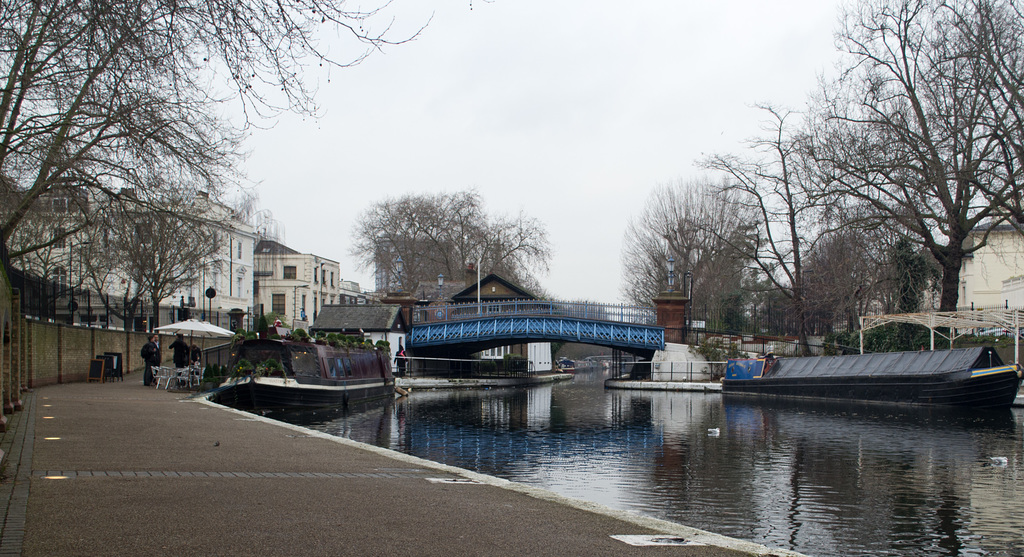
pixel 463 329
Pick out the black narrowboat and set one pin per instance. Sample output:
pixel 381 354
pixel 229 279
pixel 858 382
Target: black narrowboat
pixel 313 376
pixel 969 377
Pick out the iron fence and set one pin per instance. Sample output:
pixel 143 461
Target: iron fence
pixel 689 371
pixel 767 319
pixel 53 301
pixel 468 368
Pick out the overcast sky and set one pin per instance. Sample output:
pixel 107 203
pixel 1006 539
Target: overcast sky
pixel 572 111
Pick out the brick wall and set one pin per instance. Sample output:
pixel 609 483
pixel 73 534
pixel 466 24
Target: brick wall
pixel 56 353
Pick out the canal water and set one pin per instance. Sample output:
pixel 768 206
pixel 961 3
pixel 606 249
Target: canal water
pixel 821 479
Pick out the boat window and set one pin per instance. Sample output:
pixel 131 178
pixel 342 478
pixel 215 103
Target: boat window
pixel 304 361
pixel 348 366
pixel 257 354
pixel 341 367
pixel 331 370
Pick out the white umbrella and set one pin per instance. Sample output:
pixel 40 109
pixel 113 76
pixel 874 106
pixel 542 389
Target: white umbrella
pixel 194 327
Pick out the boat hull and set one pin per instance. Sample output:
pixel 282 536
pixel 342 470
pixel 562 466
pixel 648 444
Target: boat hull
pixel 277 393
pixel 981 389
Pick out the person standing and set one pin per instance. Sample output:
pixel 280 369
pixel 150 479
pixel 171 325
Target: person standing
pixel 196 355
pixel 400 360
pixel 150 355
pixel 181 351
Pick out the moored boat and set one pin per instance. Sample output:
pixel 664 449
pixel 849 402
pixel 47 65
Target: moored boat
pixel 971 377
pixel 309 375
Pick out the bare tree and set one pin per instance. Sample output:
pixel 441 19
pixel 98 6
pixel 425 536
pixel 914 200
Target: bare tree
pixel 687 221
pixel 852 271
pixel 990 34
pixel 774 187
pixel 109 94
pixel 152 253
pixel 441 233
pixel 910 129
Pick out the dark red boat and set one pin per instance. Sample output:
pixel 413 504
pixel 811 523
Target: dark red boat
pixel 314 375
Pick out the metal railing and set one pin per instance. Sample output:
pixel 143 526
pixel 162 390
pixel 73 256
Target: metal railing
pixel 467 368
pixel 58 302
pixel 689 371
pixel 639 315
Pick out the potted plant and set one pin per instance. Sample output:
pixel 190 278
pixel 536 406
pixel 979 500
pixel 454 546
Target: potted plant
pixel 242 368
pixel 268 367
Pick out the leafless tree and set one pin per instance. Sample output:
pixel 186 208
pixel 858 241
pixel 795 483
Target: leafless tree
pixel 109 94
pixel 911 128
pixel 990 34
pixel 850 272
pixel 687 221
pixel 774 187
pixel 42 242
pixel 442 233
pixel 153 253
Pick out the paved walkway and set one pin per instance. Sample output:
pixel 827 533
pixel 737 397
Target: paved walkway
pixel 121 469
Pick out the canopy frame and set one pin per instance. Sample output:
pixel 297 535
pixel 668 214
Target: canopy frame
pixel 958 322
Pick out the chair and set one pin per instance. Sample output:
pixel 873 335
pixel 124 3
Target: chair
pixel 195 376
pixel 181 376
pixel 165 374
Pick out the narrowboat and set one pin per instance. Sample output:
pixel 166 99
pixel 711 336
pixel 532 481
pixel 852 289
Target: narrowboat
pixel 311 376
pixel 969 377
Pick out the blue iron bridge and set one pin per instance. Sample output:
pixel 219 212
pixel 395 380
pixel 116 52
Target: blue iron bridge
pixel 473 327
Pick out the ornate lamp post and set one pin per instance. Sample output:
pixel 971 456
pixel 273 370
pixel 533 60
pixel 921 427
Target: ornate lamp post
pixel 440 287
pixel 671 273
pixel 398 268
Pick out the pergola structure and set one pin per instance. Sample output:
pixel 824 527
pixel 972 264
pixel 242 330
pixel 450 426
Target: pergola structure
pixel 959 323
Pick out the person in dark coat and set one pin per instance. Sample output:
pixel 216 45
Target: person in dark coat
pixel 400 361
pixel 196 354
pixel 181 351
pixel 150 355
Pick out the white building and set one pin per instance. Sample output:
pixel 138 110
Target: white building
pixel 984 273
pixel 296 285
pixel 228 275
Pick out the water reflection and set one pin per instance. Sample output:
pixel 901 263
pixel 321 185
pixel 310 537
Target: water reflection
pixel 822 479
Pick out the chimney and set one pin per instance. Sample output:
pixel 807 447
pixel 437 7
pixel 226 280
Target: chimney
pixel 471 275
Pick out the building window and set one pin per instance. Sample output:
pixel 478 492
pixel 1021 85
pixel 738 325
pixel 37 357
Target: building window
pixel 239 249
pixel 277 304
pixel 332 279
pixel 289 272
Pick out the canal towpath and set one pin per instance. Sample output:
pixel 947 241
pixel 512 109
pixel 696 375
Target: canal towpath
pixel 123 469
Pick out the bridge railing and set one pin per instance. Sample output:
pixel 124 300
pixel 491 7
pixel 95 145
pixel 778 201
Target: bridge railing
pixel 452 368
pixel 637 315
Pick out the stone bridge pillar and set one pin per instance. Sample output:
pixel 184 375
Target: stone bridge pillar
pixel 671 314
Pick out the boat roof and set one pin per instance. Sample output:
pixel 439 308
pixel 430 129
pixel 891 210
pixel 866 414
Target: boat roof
pixel 917 363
